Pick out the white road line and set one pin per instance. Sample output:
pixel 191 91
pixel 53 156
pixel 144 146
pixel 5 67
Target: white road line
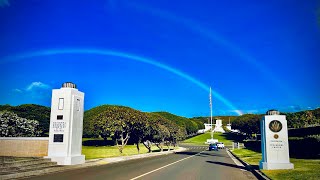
pixel 164 166
pixel 235 160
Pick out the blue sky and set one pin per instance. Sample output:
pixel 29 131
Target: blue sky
pixel 164 55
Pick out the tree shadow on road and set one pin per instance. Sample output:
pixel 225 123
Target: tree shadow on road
pixel 227 164
pixel 202 154
pixel 187 153
pixel 208 154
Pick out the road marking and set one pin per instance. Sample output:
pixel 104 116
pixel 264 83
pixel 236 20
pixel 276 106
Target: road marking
pixel 235 160
pixel 164 166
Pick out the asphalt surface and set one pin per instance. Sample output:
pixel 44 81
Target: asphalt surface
pixel 195 163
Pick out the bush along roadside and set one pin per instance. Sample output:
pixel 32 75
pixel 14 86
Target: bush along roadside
pixel 299 147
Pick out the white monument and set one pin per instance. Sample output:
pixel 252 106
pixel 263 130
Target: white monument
pixel 274 142
pixel 218 127
pixel 229 125
pixel 207 127
pixel 66 122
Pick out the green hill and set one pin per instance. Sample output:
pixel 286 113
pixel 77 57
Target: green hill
pixel 191 125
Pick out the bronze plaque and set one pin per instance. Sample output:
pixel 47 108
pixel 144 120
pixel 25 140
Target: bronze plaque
pixel 275 126
pixel 58 138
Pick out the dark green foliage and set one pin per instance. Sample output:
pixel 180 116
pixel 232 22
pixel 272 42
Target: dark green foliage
pixel 186 126
pixel 304 122
pixel 160 130
pixel 253 145
pixel 303 132
pixel 190 126
pixel 120 123
pixel 308 147
pixel 176 119
pixel 5 107
pixel 11 125
pixel 200 119
pixel 304 148
pixel 236 137
pixel 247 123
pixel 89 115
pixel 32 112
pixel 303 118
pixel 173 129
pixel 198 123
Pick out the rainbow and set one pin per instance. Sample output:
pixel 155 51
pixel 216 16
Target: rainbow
pixel 106 52
pixel 215 38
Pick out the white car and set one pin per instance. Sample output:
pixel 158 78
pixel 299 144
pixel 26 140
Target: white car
pixel 220 145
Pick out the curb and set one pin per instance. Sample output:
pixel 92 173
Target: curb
pixel 87 164
pixel 260 175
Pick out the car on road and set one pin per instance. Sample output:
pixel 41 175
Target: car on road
pixel 220 145
pixel 213 147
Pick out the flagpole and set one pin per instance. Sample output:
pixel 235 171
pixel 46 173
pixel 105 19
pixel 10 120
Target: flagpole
pixel 211 114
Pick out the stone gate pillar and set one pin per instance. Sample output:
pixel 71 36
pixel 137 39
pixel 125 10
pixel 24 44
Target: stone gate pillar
pixel 274 142
pixel 66 123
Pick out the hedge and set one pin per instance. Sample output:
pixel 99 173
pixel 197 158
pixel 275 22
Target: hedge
pixel 303 132
pixel 306 148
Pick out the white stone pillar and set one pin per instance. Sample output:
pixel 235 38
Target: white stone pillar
pixel 66 123
pixel 274 142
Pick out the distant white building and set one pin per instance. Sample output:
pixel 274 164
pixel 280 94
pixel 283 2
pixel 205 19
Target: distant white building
pixel 207 127
pixel 218 126
pixel 229 127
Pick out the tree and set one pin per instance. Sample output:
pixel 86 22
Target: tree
pixel 32 111
pixel 14 126
pixel 189 126
pixel 248 123
pixel 139 130
pixel 120 123
pixel 158 131
pixel 88 122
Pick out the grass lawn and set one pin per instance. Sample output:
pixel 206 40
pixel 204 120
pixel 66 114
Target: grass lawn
pixel 201 139
pixel 93 152
pixel 249 156
pixel 303 168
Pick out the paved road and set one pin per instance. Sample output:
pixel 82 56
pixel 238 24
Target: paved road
pixel 196 163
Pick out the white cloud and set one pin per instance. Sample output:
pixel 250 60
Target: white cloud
pixel 37 85
pixel 17 90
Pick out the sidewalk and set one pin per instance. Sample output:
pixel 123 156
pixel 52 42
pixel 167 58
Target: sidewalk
pixel 88 163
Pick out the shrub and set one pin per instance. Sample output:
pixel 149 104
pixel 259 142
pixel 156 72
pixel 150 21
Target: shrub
pixel 14 126
pixel 308 147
